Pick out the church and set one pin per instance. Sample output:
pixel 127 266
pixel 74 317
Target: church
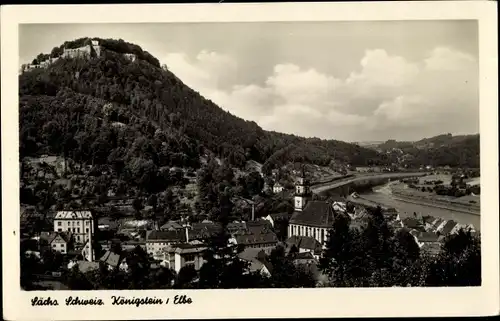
pixel 310 218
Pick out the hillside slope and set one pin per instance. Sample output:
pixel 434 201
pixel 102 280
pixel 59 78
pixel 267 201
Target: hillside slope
pixel 441 150
pixel 108 106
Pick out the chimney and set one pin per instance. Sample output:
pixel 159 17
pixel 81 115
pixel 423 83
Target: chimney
pixel 253 212
pixel 187 234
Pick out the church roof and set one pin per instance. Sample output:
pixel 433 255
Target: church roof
pixel 315 213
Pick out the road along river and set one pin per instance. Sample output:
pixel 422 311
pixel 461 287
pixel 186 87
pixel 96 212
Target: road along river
pixel 406 208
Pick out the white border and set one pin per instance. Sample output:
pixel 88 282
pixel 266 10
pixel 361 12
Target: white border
pixel 277 303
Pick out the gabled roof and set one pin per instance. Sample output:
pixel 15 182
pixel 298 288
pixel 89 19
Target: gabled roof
pixel 412 222
pixel 304 242
pixel 73 215
pixel 51 236
pixel 315 213
pixel 304 256
pixel 427 237
pixel 448 227
pixel 110 258
pixel 166 236
pixel 257 259
pixel 171 225
pixel 252 239
pixel 189 248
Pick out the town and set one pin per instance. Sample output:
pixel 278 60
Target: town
pixel 83 241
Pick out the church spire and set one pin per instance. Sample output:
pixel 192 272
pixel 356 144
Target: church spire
pixel 301 191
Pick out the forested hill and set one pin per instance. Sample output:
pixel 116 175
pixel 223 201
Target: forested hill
pixel 109 108
pixel 441 150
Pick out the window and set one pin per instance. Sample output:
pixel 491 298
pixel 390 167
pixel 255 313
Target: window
pixel 189 257
pixel 87 223
pixel 54 245
pixel 59 229
pixel 59 223
pixel 77 223
pixel 87 230
pixel 62 244
pixel 78 229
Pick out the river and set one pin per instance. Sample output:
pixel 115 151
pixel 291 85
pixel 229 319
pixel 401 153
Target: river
pixel 382 195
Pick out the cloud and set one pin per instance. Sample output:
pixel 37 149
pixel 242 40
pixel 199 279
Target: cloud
pixel 385 96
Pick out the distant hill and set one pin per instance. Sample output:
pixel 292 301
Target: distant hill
pixel 441 150
pixel 117 104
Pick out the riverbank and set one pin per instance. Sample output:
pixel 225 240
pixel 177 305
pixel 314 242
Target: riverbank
pixel 458 204
pixel 408 207
pixel 437 204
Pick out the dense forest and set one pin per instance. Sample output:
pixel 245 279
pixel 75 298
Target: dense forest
pixel 88 109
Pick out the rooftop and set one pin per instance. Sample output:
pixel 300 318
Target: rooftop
pixel 61 215
pixel 315 213
pixel 110 258
pixel 169 236
pixel 304 242
pixel 250 239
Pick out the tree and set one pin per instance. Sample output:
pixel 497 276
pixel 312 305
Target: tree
pixel 186 276
pixel 286 274
pixel 459 263
pixel 138 206
pixel 339 251
pixel 76 280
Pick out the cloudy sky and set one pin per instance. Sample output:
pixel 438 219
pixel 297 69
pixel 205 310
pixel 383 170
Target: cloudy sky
pixel 353 81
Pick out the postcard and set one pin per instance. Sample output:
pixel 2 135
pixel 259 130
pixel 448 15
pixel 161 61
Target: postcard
pixel 250 160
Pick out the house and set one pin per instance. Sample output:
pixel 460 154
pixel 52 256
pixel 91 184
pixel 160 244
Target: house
pixel 302 258
pixel 189 255
pixel 310 218
pixel 83 266
pixel 260 226
pixel 447 227
pixel 413 223
pixel 171 226
pixel 339 204
pixel 79 223
pixel 177 256
pixel 265 241
pixel 235 228
pixel 422 238
pixel 391 214
pixel 111 259
pixel 59 241
pixel 156 240
pixel 433 226
pixel 257 260
pixel 277 188
pixel 107 224
pixel 272 218
pixel 305 244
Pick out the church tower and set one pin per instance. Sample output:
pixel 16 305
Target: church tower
pixel 301 192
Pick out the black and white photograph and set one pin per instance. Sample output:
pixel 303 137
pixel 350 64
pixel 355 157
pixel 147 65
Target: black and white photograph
pixel 248 155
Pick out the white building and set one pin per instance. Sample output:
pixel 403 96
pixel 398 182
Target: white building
pixel 277 188
pixel 79 223
pixel 181 255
